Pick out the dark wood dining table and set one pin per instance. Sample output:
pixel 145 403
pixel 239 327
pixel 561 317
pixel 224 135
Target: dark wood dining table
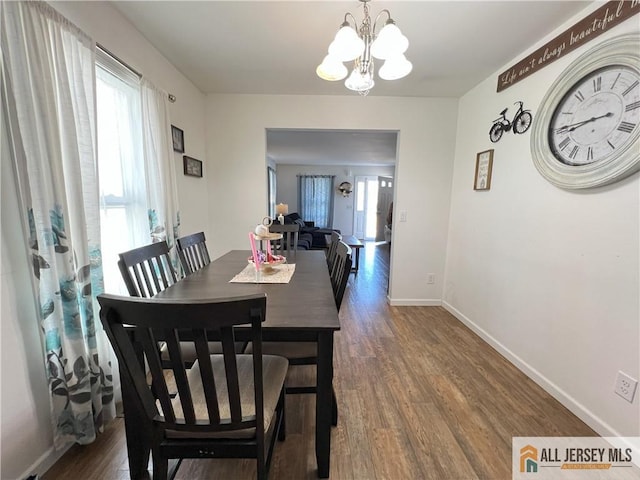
pixel 302 310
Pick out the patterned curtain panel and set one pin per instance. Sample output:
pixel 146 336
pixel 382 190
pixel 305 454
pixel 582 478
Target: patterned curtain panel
pixel 48 102
pixel 315 199
pixel 162 190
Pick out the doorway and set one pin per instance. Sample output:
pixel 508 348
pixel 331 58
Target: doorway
pixel 374 195
pixel 366 208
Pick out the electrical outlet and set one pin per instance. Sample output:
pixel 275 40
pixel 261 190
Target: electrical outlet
pixel 403 216
pixel 431 278
pixel 625 386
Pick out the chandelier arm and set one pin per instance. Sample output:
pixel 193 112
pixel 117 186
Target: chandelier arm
pixel 375 22
pixel 346 21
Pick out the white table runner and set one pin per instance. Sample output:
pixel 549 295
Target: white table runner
pixel 278 274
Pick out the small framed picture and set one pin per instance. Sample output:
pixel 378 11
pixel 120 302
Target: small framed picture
pixel 484 165
pixel 192 167
pixel 177 136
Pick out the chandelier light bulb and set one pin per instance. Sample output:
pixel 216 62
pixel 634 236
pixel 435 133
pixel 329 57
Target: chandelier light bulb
pixel 331 69
pixel 346 45
pixel 389 43
pixel 360 82
pixel 395 68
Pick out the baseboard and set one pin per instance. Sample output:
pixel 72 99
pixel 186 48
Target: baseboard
pixel 45 461
pixel 583 413
pixel 414 302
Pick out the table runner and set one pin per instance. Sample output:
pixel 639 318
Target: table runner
pixel 278 274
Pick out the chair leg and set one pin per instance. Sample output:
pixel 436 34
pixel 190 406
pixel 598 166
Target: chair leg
pixel 282 431
pixel 334 408
pixel 262 467
pixel 160 466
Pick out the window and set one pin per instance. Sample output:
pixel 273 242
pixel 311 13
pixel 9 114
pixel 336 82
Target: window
pixel 123 212
pixel 315 199
pixel 360 192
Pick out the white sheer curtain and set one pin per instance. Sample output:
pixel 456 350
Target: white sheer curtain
pixel 48 102
pixel 123 196
pixel 163 211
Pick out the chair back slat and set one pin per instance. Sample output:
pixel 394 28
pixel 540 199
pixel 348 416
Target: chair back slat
pixel 180 375
pixel 231 370
pixel 147 270
pixel 132 323
pixel 128 360
pixel 145 336
pixel 342 282
pixel 193 252
pixel 206 375
pixel 256 338
pixel 341 272
pixel 290 237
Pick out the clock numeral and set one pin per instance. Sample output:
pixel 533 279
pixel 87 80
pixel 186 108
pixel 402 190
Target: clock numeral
pixel 563 144
pixel 590 154
pixel 626 127
pixel 579 95
pixel 611 145
pixel 632 106
pixel 631 87
pixel 597 84
pixel 615 81
pixel 574 152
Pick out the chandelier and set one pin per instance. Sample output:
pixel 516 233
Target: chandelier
pixel 360 45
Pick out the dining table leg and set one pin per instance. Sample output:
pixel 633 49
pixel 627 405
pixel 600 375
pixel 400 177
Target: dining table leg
pixel 324 400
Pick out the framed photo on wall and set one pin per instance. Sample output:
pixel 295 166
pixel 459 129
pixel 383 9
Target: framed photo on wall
pixel 192 167
pixel 484 165
pixel 177 136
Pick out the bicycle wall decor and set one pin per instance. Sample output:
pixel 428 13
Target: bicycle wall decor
pixel 520 123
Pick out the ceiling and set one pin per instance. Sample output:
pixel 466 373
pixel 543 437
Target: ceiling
pixel 274 47
pixel 331 147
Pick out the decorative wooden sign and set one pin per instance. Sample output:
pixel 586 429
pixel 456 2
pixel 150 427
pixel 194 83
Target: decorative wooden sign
pixel 609 15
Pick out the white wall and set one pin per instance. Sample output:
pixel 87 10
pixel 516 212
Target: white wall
pixel 548 276
pixel 26 433
pixel 342 206
pixel 236 136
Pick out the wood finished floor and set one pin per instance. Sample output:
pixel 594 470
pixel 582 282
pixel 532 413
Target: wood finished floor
pixel 420 396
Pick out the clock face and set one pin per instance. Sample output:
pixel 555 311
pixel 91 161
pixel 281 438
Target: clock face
pixel 598 116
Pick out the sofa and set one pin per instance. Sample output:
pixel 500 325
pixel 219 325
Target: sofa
pixel 316 237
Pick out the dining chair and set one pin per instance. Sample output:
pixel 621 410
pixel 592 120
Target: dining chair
pixel 147 270
pixel 193 253
pixel 228 405
pixel 306 353
pixel 331 252
pixel 290 237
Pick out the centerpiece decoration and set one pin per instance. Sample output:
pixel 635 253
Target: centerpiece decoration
pixel 262 257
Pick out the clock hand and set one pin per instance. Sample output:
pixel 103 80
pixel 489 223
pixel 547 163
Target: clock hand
pixel 573 126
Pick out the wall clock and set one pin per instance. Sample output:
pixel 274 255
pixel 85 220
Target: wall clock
pixel 587 131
